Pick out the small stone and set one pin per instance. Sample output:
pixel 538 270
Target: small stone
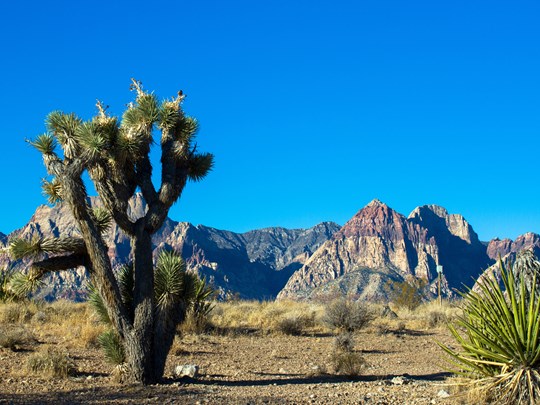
pixel 443 394
pixel 282 371
pixel 399 380
pixel 187 370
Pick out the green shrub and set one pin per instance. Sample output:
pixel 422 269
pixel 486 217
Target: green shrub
pixel 347 315
pixel 112 347
pixel 499 335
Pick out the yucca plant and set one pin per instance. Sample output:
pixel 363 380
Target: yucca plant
pixel 499 336
pixel 114 153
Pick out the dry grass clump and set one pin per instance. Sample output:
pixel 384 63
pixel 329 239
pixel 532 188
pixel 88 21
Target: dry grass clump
pixel 349 364
pixel 16 312
pixel 89 334
pixel 14 338
pixel 286 317
pixel 430 315
pixel 195 324
pixel 50 363
pixel 63 312
pixel 73 321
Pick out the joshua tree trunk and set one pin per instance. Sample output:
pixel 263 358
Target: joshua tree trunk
pixel 140 348
pixel 116 156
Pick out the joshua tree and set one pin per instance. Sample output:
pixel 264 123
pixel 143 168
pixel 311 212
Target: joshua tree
pixel 115 154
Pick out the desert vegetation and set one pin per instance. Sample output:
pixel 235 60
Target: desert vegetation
pixel 380 349
pixel 293 344
pixel 115 153
pixel 498 335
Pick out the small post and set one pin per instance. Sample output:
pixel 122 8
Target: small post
pixel 439 281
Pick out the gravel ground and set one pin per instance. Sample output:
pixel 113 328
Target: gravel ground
pixel 250 368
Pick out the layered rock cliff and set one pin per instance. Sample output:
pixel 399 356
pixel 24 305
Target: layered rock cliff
pixel 378 246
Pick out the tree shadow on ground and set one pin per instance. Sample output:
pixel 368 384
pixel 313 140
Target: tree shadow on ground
pixel 156 394
pixel 175 391
pixel 301 379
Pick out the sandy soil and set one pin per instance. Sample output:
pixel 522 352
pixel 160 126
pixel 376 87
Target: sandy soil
pixel 249 368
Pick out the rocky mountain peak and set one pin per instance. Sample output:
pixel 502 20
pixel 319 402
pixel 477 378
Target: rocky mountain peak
pixel 375 202
pixel 376 218
pixel 439 211
pixel 500 248
pixel 379 243
pixel 437 219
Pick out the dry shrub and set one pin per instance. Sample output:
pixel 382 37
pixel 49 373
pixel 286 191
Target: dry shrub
pixel 436 319
pixel 408 294
pixel 63 311
pixel 14 338
pixel 345 315
pixel 40 317
pixel 383 328
pixel 50 363
pixel 177 348
pixel 232 314
pixel 344 342
pixel 291 326
pixel 195 324
pixel 430 315
pixel 348 363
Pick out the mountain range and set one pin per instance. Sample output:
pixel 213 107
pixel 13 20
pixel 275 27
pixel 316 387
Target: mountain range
pixel 374 249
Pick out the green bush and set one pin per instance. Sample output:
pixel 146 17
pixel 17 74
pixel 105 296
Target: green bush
pixel 499 335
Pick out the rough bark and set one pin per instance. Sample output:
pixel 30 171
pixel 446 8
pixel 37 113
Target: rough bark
pixel 139 345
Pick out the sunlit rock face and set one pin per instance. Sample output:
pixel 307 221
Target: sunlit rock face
pixel 379 246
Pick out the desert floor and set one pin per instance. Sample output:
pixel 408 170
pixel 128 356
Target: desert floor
pixel 241 365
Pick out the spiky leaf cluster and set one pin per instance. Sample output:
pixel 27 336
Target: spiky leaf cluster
pixel 8 286
pixel 21 248
pixel 500 345
pixel 112 347
pixel 175 290
pixel 52 190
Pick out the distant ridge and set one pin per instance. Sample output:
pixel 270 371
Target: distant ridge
pixel 252 265
pixel 377 246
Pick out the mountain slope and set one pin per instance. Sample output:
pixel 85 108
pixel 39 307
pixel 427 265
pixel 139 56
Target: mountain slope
pixel 383 246
pixel 254 265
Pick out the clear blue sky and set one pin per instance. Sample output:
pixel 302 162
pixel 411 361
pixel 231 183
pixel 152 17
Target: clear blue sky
pixel 312 108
